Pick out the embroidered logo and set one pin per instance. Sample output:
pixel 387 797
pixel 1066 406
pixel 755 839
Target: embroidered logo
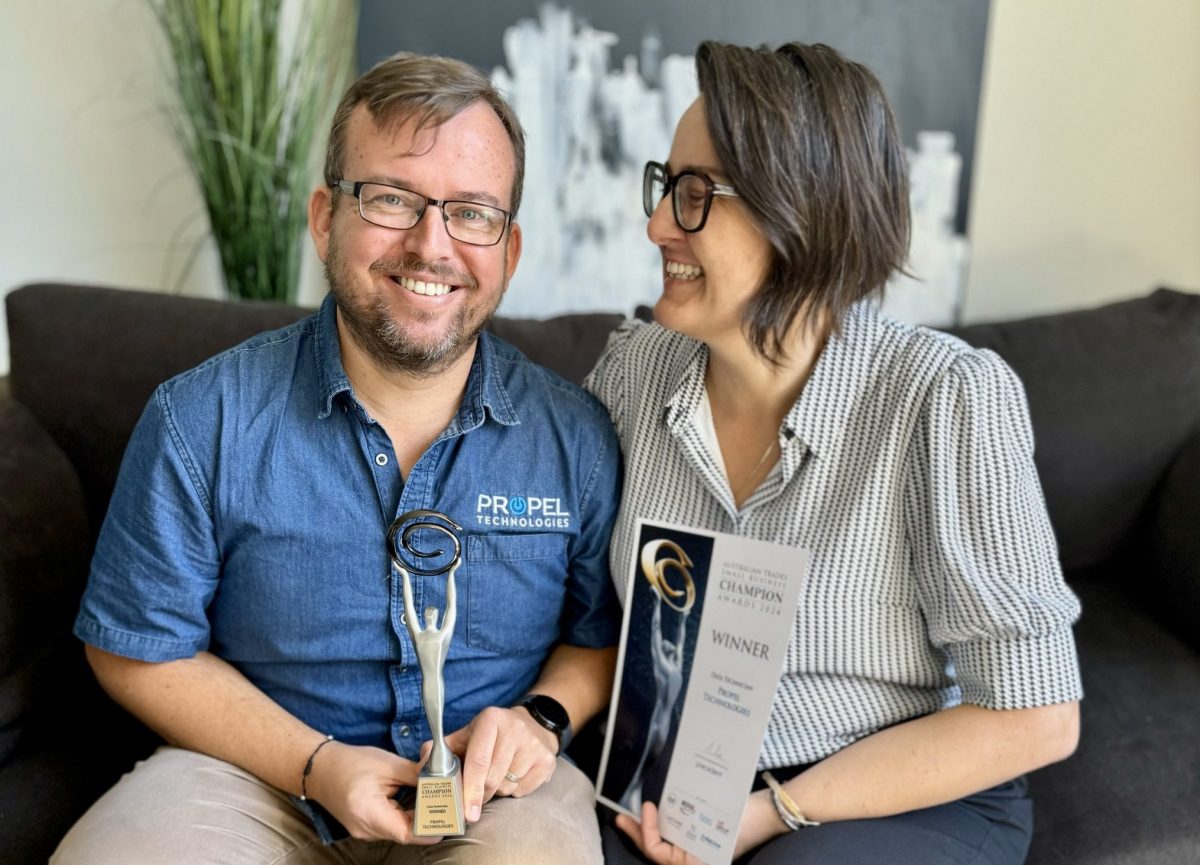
pixel 523 512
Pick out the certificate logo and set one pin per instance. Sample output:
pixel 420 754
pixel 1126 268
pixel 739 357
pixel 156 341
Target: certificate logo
pixel 667 568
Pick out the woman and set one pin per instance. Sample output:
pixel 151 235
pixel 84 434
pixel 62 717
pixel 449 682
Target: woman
pixel 931 662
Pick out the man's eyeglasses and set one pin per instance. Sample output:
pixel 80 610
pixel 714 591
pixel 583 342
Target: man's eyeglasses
pixel 691 194
pixel 400 208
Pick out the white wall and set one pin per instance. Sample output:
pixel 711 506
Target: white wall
pixel 1088 162
pixel 1087 172
pixel 95 188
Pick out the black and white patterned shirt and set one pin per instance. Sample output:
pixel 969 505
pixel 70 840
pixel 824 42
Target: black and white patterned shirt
pixel 907 469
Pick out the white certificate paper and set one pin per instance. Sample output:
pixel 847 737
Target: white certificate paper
pixel 707 621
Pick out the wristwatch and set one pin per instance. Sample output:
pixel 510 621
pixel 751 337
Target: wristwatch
pixel 550 713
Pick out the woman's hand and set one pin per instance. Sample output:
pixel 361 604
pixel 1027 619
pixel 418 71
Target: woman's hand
pixel 645 836
pixel 759 824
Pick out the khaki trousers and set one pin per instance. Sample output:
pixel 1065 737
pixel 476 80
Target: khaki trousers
pixel 184 808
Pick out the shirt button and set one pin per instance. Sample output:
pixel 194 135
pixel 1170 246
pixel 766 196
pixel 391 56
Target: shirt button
pixel 405 731
pixel 381 459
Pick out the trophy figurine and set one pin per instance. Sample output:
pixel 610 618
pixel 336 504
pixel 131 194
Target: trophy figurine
pixel 439 800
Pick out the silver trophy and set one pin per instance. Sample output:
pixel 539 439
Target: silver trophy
pixel 439 802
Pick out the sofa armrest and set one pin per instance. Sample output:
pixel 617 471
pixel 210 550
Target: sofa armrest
pixel 1175 545
pixel 44 541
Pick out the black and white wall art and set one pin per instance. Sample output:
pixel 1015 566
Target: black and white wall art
pixel 599 84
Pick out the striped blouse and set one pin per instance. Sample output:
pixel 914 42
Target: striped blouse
pixel 907 469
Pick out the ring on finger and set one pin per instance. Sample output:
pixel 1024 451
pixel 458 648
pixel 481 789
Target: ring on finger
pixel 509 776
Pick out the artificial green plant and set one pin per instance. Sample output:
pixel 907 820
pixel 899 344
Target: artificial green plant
pixel 256 88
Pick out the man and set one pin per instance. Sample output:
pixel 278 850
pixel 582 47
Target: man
pixel 242 602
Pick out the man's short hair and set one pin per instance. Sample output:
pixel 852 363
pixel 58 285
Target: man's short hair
pixel 809 142
pixel 430 89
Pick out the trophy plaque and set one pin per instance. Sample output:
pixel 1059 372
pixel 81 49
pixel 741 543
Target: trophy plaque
pixel 438 809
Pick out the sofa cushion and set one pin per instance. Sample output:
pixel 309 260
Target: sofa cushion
pixel 1130 793
pixel 1172 587
pixel 568 344
pixel 1114 393
pixel 86 359
pixel 43 559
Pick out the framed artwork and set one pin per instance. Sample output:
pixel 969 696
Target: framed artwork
pixel 599 86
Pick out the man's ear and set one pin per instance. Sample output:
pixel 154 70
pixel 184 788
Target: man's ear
pixel 320 219
pixel 513 251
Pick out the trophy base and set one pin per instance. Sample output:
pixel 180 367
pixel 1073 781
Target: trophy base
pixel 439 805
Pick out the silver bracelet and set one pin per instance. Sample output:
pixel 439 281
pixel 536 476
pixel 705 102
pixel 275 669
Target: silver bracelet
pixel 787 809
pixel 784 815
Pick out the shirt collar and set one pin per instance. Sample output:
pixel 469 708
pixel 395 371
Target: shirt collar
pixel 485 392
pixel 331 375
pixel 838 381
pixel 818 417
pixel 688 368
pixel 485 389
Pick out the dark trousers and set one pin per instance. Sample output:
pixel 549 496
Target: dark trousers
pixel 989 828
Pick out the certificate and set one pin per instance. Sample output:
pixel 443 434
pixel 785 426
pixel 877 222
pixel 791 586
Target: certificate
pixel 707 621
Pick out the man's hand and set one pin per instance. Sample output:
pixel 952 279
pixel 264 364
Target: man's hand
pixel 499 743
pixel 356 784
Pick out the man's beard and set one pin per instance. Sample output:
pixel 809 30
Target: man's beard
pixel 374 329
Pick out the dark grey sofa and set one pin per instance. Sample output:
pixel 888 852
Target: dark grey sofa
pixel 1114 394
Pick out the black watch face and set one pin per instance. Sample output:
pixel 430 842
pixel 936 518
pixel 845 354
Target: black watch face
pixel 550 711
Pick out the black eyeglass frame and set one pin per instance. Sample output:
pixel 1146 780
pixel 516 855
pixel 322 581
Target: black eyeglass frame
pixel 354 187
pixel 671 188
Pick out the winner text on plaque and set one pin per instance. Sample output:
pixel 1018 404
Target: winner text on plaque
pixel 439 800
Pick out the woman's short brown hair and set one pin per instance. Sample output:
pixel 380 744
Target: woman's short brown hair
pixel 431 89
pixel 809 141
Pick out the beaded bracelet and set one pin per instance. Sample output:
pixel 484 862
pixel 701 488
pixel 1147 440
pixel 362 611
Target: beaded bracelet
pixel 788 810
pixel 308 768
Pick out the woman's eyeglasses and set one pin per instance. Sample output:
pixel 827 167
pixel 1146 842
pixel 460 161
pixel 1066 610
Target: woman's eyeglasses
pixel 691 194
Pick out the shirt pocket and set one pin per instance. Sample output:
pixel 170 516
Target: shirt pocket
pixel 515 591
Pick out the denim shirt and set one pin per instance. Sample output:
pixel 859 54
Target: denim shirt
pixel 250 516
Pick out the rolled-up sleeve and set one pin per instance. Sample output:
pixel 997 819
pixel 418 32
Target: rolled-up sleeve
pixel 988 574
pixel 156 564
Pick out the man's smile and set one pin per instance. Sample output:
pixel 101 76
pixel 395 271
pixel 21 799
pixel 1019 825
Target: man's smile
pixel 422 287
